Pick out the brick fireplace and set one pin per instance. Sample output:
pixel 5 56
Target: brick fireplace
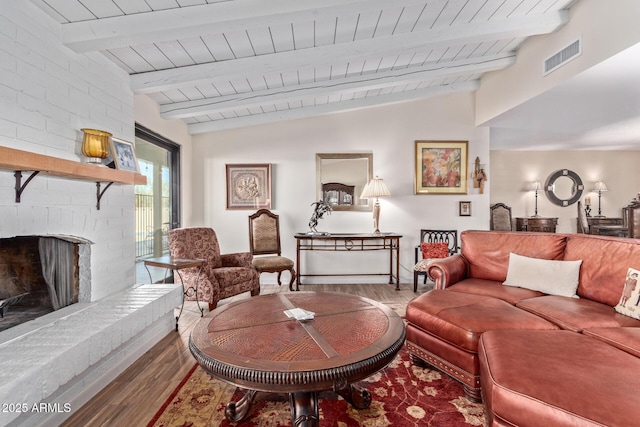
pixel 40 274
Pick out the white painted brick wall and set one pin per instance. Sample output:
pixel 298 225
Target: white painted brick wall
pixel 47 94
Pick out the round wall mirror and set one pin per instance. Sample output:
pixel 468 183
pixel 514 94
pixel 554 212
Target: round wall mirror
pixel 563 187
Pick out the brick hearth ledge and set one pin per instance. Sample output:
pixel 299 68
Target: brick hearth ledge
pixel 52 365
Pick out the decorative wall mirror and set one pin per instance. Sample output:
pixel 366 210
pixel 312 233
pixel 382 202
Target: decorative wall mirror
pixel 340 178
pixel 563 187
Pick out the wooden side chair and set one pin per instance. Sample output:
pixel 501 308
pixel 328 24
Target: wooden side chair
pixel 264 239
pixel 434 244
pixel 500 218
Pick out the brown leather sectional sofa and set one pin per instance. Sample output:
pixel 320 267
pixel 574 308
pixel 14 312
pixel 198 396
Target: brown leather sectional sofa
pixel 532 357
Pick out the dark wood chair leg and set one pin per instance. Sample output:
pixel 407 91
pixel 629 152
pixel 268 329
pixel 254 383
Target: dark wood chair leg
pixel 293 278
pixel 415 281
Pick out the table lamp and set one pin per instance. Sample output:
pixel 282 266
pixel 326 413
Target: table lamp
pixel 600 187
pixel 375 188
pixel 536 187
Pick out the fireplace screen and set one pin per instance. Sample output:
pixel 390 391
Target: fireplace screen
pixel 39 274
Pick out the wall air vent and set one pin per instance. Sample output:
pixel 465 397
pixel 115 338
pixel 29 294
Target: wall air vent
pixel 557 60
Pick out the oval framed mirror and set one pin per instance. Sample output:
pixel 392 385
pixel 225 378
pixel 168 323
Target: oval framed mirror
pixel 563 187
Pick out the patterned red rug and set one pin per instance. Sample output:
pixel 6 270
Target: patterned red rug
pixel 402 395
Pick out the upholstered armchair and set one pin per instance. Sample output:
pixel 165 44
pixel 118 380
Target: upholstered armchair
pixel 222 275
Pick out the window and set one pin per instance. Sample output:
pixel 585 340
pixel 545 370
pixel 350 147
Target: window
pixel 158 202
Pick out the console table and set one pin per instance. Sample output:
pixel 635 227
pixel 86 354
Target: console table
pixel 537 224
pixel 351 242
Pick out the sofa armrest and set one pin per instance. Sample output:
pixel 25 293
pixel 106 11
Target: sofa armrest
pixel 448 271
pixel 238 259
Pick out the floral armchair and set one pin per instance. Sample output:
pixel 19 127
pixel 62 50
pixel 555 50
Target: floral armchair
pixel 222 275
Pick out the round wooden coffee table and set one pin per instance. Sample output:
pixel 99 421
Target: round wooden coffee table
pixel 252 344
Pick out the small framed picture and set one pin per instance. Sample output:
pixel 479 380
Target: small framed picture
pixel 124 156
pixel 249 186
pixel 465 208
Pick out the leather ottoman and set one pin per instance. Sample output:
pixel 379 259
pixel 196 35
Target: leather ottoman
pixel 443 329
pixel 574 374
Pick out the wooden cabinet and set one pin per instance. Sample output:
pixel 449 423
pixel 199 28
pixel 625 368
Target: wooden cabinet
pixel 633 220
pixel 607 226
pixel 540 225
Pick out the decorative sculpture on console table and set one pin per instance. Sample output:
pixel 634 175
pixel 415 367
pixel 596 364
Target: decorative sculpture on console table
pixel 320 208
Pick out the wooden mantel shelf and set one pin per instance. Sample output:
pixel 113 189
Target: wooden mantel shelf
pixel 19 161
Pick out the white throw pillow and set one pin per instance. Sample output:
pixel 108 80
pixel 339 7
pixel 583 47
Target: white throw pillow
pixel 549 276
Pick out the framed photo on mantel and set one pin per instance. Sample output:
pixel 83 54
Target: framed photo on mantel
pixel 124 155
pixel 249 186
pixel 441 167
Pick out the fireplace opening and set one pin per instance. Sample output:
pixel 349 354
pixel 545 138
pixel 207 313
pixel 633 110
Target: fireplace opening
pixel 40 274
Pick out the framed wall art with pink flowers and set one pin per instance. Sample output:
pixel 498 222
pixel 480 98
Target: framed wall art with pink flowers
pixel 441 167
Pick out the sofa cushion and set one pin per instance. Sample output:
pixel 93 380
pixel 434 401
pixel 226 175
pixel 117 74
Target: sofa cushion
pixel 629 303
pixel 460 318
pixel 487 252
pixel 575 314
pixel 605 261
pixel 494 289
pixel 576 380
pixel 552 277
pixel 626 339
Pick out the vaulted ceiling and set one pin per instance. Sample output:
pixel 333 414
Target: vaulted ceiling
pixel 227 64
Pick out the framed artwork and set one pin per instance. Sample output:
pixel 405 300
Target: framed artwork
pixel 465 209
pixel 249 186
pixel 441 167
pixel 124 156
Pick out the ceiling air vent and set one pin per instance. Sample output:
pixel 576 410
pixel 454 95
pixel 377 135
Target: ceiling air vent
pixel 565 55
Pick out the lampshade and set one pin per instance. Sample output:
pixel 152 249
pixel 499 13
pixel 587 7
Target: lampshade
pixel 95 145
pixel 375 188
pixel 535 186
pixel 600 186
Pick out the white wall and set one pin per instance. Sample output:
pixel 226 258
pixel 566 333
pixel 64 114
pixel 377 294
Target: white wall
pixel 47 94
pixel 606 28
pixel 388 132
pixel 147 114
pixel 513 171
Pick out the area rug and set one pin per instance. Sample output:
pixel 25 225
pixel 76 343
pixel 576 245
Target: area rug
pixel 402 395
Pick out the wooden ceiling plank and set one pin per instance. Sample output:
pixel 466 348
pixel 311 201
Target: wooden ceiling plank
pixel 282 37
pixel 260 40
pixel 197 50
pixel 175 53
pixel 334 107
pixel 239 44
pixel 70 10
pixel 132 6
pixel 349 84
pixel 392 45
pixel 91 34
pixel 154 56
pixel 131 59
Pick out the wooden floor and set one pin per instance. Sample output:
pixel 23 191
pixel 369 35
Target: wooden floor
pixel 133 398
